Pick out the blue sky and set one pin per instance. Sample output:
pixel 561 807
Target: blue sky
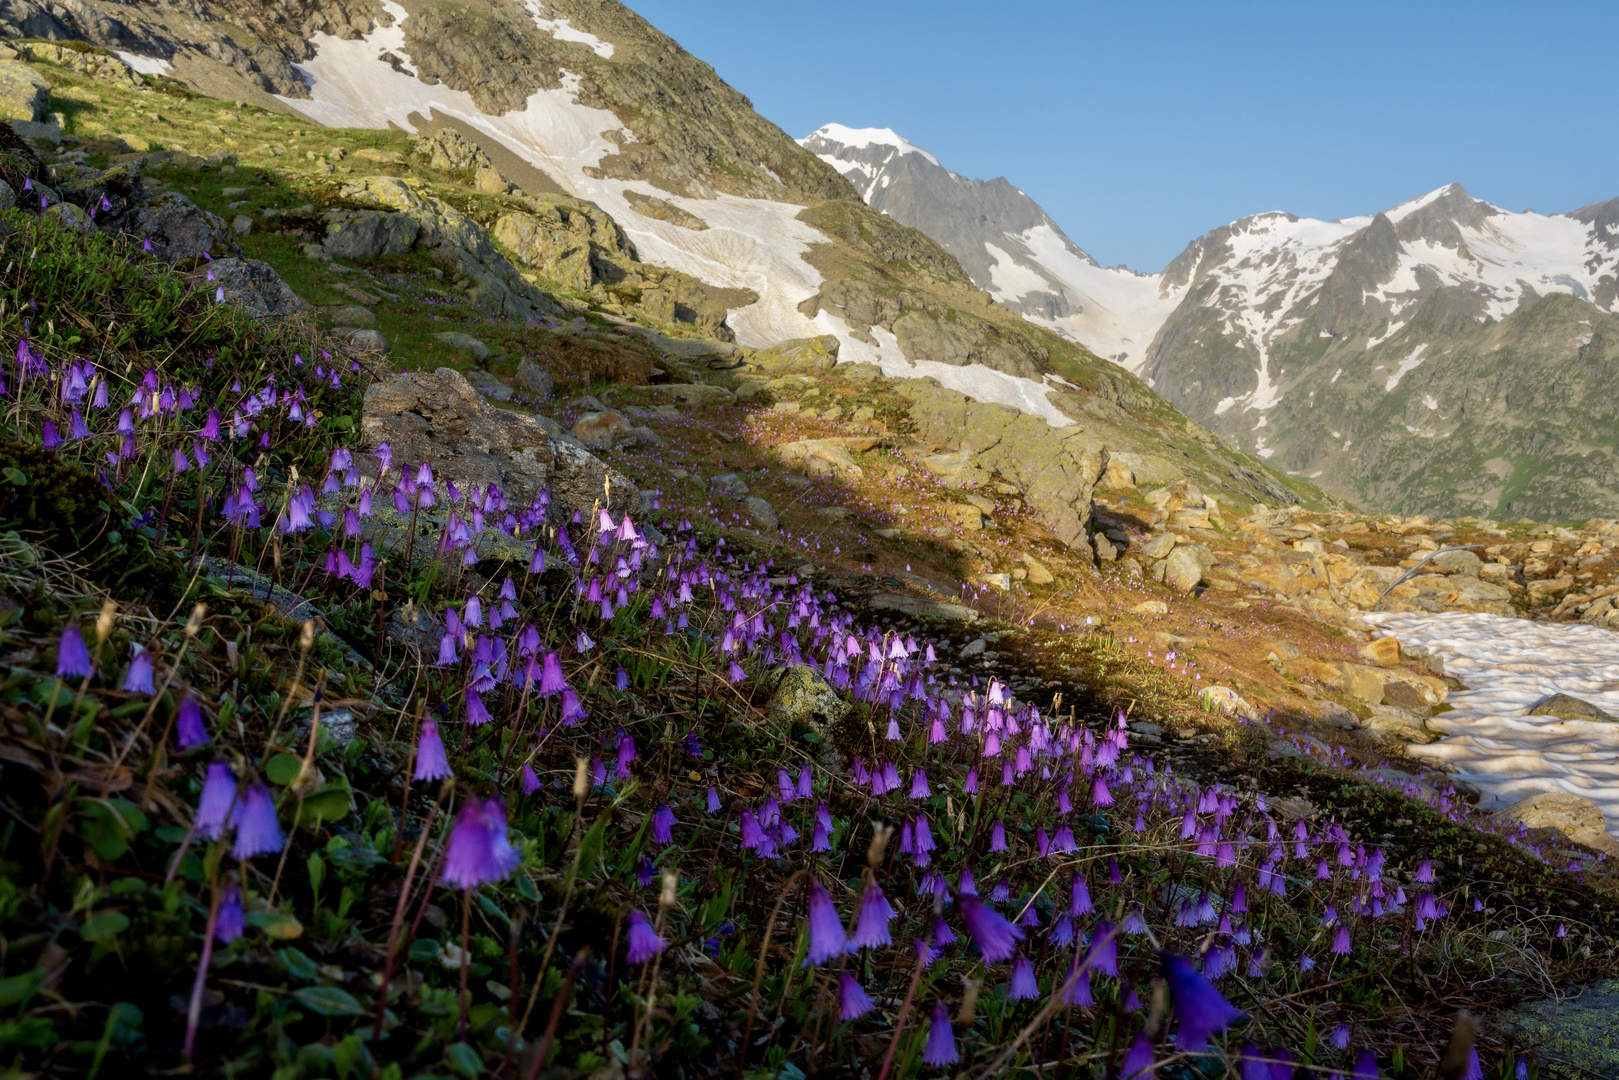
pixel 1139 126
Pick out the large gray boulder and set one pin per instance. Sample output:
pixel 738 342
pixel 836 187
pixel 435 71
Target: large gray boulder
pixel 178 229
pixel 440 418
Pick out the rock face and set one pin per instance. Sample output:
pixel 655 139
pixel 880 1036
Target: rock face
pixel 580 247
pixel 1056 468
pixel 367 234
pixel 438 417
pixel 24 95
pixel 925 328
pixel 254 287
pixel 457 243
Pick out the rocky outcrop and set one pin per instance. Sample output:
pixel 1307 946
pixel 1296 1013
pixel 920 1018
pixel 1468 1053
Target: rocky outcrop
pixel 1055 468
pixel 24 95
pixel 928 330
pixel 367 234
pixel 579 246
pixel 799 354
pixel 458 244
pixel 439 418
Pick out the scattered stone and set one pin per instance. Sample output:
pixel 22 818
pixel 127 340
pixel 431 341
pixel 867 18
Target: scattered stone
pixel 1118 474
pixel 1159 547
pixel 534 380
pixel 802 695
pixel 1002 582
pixel 241 225
pixel 348 315
pixel 71 216
pixel 1228 702
pixel 698 394
pixel 1181 571
pixel 888 534
pixel 177 228
pixel 966 517
pixel 730 483
pixel 1566 707
pixel 439 417
pixel 1384 652
pixel 923 609
pixel 24 95
pixel 368 341
pixel 1398 723
pixel 465 343
pixel 1362 682
pixel 763 514
pixel 975 647
pixel 489 386
pixel 1038 573
pixel 820 458
pixel 1151 607
pixel 1575 816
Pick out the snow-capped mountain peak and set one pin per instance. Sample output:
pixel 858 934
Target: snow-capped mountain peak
pixel 1006 243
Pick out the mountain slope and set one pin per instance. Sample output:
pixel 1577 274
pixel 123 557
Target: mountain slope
pixel 1434 336
pixel 1435 357
pixel 1004 240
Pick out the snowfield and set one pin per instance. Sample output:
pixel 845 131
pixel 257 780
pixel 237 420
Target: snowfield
pixel 1510 666
pixel 750 243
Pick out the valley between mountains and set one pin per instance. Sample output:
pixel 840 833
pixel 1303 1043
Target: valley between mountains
pixel 513 565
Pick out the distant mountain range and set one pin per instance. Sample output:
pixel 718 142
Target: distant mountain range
pixel 1004 240
pixel 1444 356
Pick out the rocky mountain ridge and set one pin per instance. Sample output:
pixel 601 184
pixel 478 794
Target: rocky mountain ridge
pixel 1458 347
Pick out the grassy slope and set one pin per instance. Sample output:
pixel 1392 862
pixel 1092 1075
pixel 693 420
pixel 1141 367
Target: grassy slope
pixel 287 1002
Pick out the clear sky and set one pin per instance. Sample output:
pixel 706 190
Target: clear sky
pixel 1139 125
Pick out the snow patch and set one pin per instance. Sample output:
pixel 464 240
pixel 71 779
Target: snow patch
pixel 146 65
pixel 1119 312
pixel 1510 666
pixel 559 29
pixel 750 243
pixel 1408 364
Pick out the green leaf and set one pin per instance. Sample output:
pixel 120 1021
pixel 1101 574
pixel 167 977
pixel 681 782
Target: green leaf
pixel 297 964
pixel 464 1059
pixel 525 887
pixel 276 924
pixel 103 926
pixel 328 1001
pixel 283 769
pixel 327 804
pixel 21 987
pixel 421 950
pixel 15 476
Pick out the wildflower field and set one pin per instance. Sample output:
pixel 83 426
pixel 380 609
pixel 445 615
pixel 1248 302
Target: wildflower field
pixel 519 789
